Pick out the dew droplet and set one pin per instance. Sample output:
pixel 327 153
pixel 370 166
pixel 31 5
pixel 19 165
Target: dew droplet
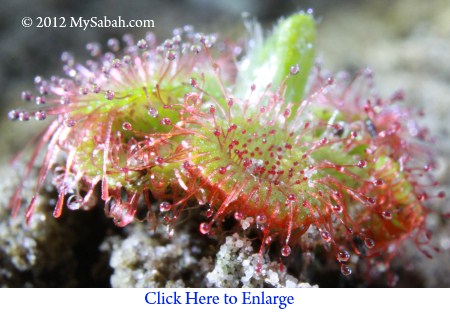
pixel 127 126
pixel 26 96
pixel 193 83
pixel 116 63
pixel 361 163
pixel 247 163
pixel 186 165
pixel 343 255
pixel 40 100
pixel 38 80
pixel 370 243
pixel 43 90
pixel 93 48
pixel 166 121
pixel 337 208
pixel 346 270
pixel 292 197
pixel 126 59
pixel 371 200
pixel 422 197
pixel 387 214
pixel 378 182
pixel 286 251
pixel 294 69
pixel 159 160
pixel 74 202
pixel 217 132
pixel 258 268
pixel 205 228
pixel 238 215
pixel 13 115
pixel 339 130
pixel 261 219
pixel 165 206
pixel 40 115
pixel 96 88
pixel 168 44
pixel 222 170
pixel 24 116
pixel 69 122
pixel 325 235
pixel 142 44
pixel 109 95
pixel 113 44
pixel 153 112
pixel 171 55
pixel 83 91
pixel 195 48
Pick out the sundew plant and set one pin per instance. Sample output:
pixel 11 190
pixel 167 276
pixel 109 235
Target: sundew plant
pixel 258 134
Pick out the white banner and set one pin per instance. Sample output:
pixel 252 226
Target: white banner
pixel 330 300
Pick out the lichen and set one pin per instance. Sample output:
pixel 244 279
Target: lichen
pixel 236 263
pixel 33 254
pixel 143 259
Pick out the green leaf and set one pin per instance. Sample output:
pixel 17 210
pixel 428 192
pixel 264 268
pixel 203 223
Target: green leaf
pixel 270 61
